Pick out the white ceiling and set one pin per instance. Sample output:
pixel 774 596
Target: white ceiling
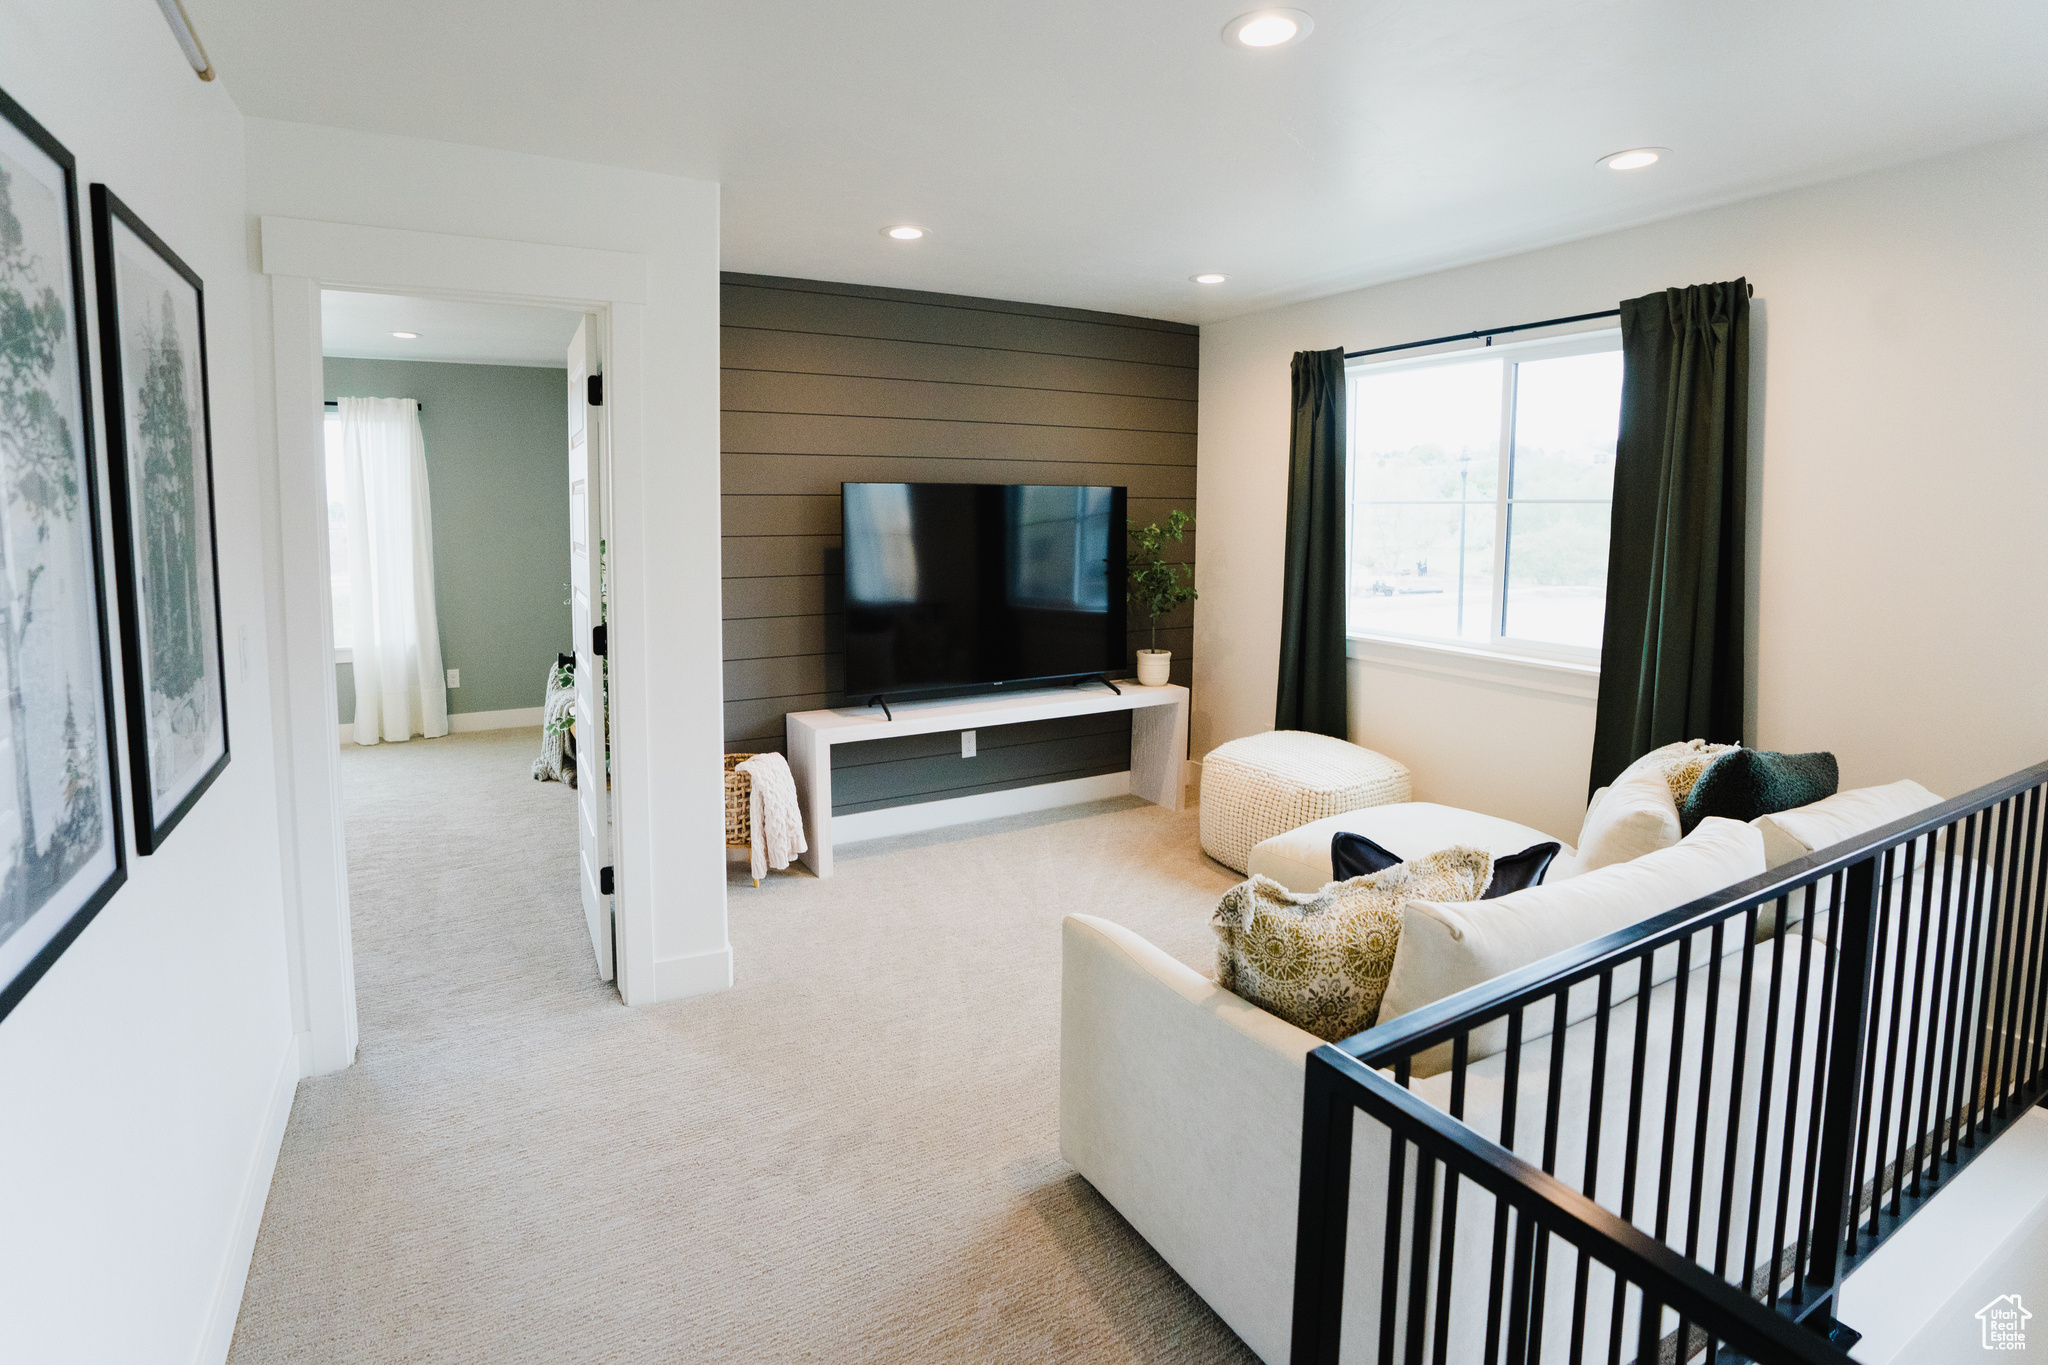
pixel 361 325
pixel 1097 154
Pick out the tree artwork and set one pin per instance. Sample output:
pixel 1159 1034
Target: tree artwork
pixel 39 484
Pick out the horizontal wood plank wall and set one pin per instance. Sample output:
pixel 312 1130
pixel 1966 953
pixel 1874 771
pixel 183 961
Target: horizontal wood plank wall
pixel 832 383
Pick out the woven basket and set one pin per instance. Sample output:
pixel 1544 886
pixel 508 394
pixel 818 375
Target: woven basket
pixel 739 790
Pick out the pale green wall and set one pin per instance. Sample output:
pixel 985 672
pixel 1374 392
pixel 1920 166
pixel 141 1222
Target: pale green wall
pixel 498 474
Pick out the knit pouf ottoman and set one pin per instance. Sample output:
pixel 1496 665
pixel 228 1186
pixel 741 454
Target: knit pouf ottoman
pixel 1262 785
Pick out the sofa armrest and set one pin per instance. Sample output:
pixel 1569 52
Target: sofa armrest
pixel 1181 1104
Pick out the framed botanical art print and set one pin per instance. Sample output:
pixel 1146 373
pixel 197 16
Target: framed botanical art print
pixel 61 851
pixel 160 468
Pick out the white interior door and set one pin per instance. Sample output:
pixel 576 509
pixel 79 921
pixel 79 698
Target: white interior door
pixel 586 538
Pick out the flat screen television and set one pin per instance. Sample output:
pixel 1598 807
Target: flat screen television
pixel 959 586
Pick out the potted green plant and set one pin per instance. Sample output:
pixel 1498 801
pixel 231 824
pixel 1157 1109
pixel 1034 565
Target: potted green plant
pixel 1155 587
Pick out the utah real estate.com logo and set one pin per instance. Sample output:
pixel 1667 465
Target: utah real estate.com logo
pixel 2005 1323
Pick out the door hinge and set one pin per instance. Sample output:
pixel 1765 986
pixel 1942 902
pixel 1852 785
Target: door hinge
pixel 596 386
pixel 604 881
pixel 598 641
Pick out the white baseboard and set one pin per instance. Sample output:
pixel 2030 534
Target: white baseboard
pixel 219 1333
pixel 963 810
pixel 693 974
pixel 462 722
pixel 518 718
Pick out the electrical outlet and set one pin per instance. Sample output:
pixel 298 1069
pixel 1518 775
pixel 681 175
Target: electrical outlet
pixel 455 677
pixel 967 744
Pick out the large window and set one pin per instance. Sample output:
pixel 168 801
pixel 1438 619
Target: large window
pixel 1480 489
pixel 337 542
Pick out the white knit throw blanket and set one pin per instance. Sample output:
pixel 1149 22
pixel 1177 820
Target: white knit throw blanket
pixel 778 824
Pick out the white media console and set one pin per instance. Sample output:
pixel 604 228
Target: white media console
pixel 1159 745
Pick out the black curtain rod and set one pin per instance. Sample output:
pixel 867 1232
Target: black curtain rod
pixel 1488 332
pixel 331 403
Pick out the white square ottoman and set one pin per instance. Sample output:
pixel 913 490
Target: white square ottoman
pixel 1262 785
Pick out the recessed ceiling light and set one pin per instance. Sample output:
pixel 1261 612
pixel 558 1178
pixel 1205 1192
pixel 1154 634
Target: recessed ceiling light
pixel 1208 279
pixel 407 336
pixel 1268 28
pixel 1634 159
pixel 903 232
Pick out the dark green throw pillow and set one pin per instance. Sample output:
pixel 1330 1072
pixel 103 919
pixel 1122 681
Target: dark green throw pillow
pixel 1745 783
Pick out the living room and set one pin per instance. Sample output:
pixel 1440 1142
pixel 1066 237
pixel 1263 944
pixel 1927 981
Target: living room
pixel 822 1117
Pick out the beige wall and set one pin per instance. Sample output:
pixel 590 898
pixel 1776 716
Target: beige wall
pixel 1904 483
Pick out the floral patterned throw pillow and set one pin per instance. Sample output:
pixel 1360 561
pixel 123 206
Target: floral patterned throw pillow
pixel 1321 962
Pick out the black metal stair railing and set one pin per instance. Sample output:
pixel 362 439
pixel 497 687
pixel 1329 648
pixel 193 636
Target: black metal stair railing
pixel 1681 1138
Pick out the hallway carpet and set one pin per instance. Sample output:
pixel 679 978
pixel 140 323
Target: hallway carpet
pixel 853 1155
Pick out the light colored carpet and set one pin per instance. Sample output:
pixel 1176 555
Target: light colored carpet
pixel 852 1155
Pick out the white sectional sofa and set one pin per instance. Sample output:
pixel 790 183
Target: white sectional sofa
pixel 1182 1103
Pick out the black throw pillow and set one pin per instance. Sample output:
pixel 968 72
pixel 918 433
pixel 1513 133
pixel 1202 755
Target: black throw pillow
pixel 1518 871
pixel 1745 783
pixel 1354 855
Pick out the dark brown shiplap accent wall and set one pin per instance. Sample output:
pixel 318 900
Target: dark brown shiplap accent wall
pixel 831 383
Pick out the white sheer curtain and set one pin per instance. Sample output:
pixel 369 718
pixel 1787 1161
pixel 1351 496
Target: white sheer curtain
pixel 401 690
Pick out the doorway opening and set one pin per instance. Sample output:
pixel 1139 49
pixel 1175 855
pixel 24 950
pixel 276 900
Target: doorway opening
pixel 467 519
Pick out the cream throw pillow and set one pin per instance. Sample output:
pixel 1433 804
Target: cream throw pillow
pixel 1795 833
pixel 1321 962
pixel 1447 948
pixel 1638 814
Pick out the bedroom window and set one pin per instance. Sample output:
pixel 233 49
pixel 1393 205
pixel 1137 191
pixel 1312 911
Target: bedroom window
pixel 1481 483
pixel 337 542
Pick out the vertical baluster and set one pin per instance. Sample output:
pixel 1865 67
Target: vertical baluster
pixel 1763 1108
pixel 1518 1299
pixel 1447 1248
pixel 1674 1074
pixel 1958 996
pixel 1986 916
pixel 1881 1133
pixel 1323 1217
pixel 1650 1331
pixel 1703 1108
pixel 1633 1144
pixel 1418 1256
pixel 1390 1270
pixel 1554 1100
pixel 1835 1171
pixel 1596 1094
pixel 2004 996
pixel 1731 1145
pixel 1792 1077
pixel 1510 1087
pixel 2013 1075
pixel 1924 1005
pixel 1823 1062
pixel 2037 984
pixel 1553 1105
pixel 1874 1009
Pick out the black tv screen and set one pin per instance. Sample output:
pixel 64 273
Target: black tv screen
pixel 962 585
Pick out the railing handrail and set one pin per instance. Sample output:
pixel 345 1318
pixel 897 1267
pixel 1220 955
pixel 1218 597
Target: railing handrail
pixel 1445 1019
pixel 1671 1279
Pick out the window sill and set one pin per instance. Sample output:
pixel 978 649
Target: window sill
pixel 344 655
pixel 1527 673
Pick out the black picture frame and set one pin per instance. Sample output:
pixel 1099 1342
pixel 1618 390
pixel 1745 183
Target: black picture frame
pixel 152 618
pixel 32 938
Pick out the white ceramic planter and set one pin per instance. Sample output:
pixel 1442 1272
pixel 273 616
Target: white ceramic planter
pixel 1155 666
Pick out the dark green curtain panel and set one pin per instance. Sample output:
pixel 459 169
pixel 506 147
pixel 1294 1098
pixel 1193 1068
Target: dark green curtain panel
pixel 1312 609
pixel 1671 665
